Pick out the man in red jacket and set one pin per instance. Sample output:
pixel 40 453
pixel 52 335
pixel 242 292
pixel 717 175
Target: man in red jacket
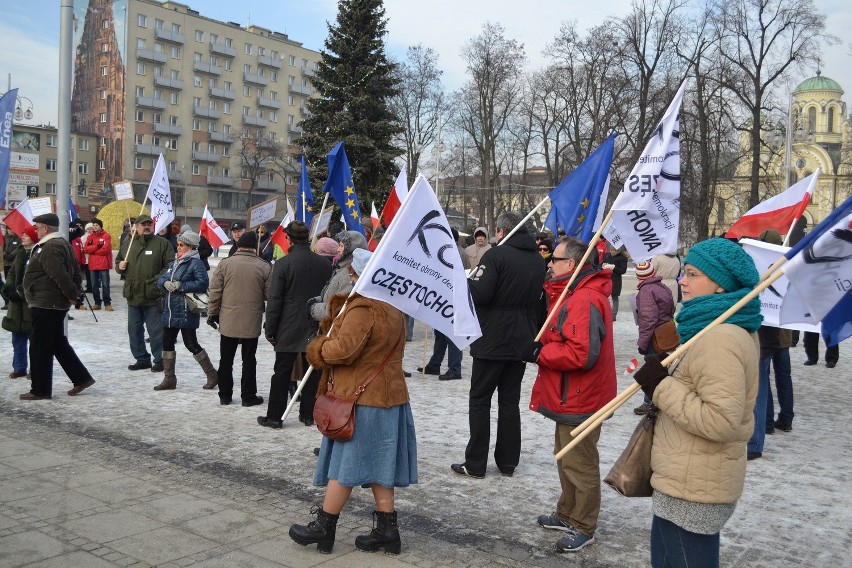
pixel 99 248
pixel 576 377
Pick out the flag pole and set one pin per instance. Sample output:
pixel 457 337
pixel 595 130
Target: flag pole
pixel 584 429
pixel 133 234
pixel 316 227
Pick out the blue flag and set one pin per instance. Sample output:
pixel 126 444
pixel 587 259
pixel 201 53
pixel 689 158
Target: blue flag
pixel 72 210
pixel 339 184
pixel 575 201
pixel 305 204
pixel 7 118
pixel 837 324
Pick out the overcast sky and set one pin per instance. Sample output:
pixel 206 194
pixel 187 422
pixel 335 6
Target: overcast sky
pixel 29 33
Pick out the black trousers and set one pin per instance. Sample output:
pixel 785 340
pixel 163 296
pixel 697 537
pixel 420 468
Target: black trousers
pixel 190 339
pixel 832 354
pixel 227 352
pixel 46 342
pixel 505 377
pixel 278 389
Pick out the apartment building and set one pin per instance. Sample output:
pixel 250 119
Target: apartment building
pixel 155 78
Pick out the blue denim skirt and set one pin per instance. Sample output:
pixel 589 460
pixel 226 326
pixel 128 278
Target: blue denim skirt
pixel 383 450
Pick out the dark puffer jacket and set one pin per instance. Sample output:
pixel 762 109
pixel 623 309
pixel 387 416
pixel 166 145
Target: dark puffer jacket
pixel 52 279
pixel 655 306
pixel 190 272
pixel 18 318
pixel 507 292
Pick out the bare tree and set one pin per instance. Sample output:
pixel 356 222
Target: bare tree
pixel 762 40
pixel 260 154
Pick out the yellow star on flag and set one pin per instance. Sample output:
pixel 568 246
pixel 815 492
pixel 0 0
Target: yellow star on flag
pixel 585 203
pixel 580 218
pixel 354 214
pixel 350 203
pixel 349 190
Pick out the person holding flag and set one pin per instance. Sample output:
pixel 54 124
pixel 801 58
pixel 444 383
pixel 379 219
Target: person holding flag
pixel 342 189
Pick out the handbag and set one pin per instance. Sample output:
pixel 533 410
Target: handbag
pixel 335 416
pixel 665 337
pixel 631 473
pixel 196 302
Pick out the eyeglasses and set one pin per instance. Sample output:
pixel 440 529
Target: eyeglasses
pixel 558 258
pixel 544 249
pixel 691 274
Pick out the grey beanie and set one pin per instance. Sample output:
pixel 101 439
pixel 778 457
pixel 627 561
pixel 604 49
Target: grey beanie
pixel 360 257
pixel 185 228
pixel 189 238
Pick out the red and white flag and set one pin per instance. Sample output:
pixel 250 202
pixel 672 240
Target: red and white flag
pixel 279 237
pixel 779 212
pixel 395 199
pixel 211 231
pixel 374 216
pixel 20 218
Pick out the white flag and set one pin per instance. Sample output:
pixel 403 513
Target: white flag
pixel 162 211
pixel 417 269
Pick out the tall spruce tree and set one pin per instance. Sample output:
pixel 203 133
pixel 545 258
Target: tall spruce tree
pixel 355 80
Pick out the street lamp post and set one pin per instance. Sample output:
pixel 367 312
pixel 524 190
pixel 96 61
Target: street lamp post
pixel 437 150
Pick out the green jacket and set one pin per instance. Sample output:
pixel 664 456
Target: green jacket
pixel 18 318
pixel 146 261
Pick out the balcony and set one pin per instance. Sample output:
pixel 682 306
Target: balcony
pixel 151 55
pixel 308 72
pixel 300 90
pixel 205 157
pixel 221 137
pixel 160 81
pixel 207 68
pixel 175 175
pixel 255 79
pixel 206 112
pixel 163 128
pixel 223 181
pixel 221 49
pixel 304 110
pixel 172 37
pixel 268 62
pixel 268 103
pixel 222 94
pixel 254 121
pixel 149 102
pixel 294 129
pixel 267 185
pixel 149 149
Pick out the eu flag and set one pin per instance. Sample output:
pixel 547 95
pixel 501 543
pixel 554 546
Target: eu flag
pixel 305 205
pixel 72 210
pixel 574 202
pixel 339 184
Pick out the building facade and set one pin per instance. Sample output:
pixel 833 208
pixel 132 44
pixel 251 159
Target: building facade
pixel 221 103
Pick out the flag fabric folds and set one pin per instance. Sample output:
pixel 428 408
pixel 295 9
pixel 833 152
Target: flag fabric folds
pixel 211 230
pixel 396 197
pixel 339 184
pixel 279 237
pixel 305 206
pixel 72 210
pixel 160 194
pixel 576 200
pixel 820 268
pixel 417 269
pixel 7 120
pixel 779 212
pixel 19 218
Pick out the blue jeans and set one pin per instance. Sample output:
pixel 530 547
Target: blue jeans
pixel 755 444
pixel 19 351
pixel 674 547
pixel 150 317
pixel 454 357
pixel 784 388
pixel 100 278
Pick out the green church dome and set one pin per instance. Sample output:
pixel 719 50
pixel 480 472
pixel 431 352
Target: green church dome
pixel 818 83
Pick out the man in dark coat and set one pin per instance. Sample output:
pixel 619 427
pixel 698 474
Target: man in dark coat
pixel 52 282
pixel 296 278
pixel 507 291
pixel 237 230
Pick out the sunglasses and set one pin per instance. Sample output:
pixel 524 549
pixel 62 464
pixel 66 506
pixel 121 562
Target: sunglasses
pixel 544 249
pixel 558 258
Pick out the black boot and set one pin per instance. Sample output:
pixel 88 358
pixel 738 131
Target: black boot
pixel 319 532
pixel 385 534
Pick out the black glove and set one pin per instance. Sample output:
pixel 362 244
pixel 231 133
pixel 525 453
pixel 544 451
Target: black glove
pixel 271 339
pixel 651 373
pixel 213 321
pixel 100 245
pixel 531 352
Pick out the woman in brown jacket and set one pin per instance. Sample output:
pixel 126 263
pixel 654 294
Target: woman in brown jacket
pixel 383 451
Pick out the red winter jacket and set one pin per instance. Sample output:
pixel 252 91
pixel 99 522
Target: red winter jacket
pixel 99 248
pixel 77 245
pixel 576 366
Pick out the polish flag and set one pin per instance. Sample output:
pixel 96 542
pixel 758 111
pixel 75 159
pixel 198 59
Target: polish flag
pixel 374 217
pixel 779 212
pixel 279 237
pixel 395 199
pixel 211 231
pixel 20 218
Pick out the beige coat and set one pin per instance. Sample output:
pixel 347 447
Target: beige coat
pixel 239 288
pixel 706 418
pixel 667 267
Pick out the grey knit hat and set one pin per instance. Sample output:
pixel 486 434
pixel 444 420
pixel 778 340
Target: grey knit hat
pixel 189 238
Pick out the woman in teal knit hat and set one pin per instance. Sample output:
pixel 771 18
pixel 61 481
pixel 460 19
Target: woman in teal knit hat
pixel 705 401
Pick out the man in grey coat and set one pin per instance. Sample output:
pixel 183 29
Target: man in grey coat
pixel 296 278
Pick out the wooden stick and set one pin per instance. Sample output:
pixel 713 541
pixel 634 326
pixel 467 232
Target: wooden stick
pixel 133 234
pixel 596 419
pixel 425 346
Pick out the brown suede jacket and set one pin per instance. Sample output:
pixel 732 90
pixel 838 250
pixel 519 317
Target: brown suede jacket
pixel 361 338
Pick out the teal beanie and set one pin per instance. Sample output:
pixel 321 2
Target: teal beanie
pixel 724 262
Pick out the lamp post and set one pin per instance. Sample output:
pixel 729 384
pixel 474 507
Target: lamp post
pixel 437 150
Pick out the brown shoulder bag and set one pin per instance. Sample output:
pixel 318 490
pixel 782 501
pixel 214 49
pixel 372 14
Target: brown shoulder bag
pixel 665 337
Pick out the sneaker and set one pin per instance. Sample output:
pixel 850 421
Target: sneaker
pixel 554 523
pixel 461 469
pixel 139 365
pixel 157 367
pixel 574 541
pixel 108 308
pixel 643 409
pixel 783 426
pixel 428 370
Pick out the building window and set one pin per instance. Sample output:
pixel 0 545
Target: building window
pixel 214 61
pixel 83 144
pixel 102 117
pixel 273 54
pixel 196 124
pixel 104 71
pixel 245 111
pixel 172 166
pixel 212 148
pixel 811 119
pixel 211 126
pixel 51 140
pixel 83 168
pixel 248 49
pixel 246 68
pixel 273 76
pixel 273 116
pixel 140 91
pixel 171 143
pixel 50 188
pixel 137 163
pixel 50 165
pixel 226 108
pixel 158 70
pixel 140 43
pixel 103 94
pixel 175 52
pixel 196 101
pixel 155 140
pixel 157 117
pixel 140 68
pixel 290 100
pixel 831 120
pixel 173 120
pixel 158 47
pixel 174 74
pixel 176 28
pixel 199 35
pixel 196 80
pixel 246 91
pixel 159 24
pixel 142 20
pixel 195 169
pixel 140 116
pixel 226 151
pixel 290 119
pixel 292 60
pixel 138 139
pixel 261 51
pixel 227 65
pixel 102 141
pixel 105 47
pixel 101 164
pixel 174 98
pixel 211 104
pixel 213 38
pixel 229 42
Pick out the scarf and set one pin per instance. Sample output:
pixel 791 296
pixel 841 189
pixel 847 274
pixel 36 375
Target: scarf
pixel 697 313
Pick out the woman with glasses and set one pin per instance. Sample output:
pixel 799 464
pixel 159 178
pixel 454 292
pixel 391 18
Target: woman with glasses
pixel 265 246
pixel 185 275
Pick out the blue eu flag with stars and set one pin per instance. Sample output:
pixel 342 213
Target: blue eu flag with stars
pixel 305 205
pixel 339 184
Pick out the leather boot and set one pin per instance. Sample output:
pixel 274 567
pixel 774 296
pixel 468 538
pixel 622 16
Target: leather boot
pixel 385 534
pixel 169 377
pixel 320 532
pixel 208 368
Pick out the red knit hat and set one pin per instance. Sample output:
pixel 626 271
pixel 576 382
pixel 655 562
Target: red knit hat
pixel 644 270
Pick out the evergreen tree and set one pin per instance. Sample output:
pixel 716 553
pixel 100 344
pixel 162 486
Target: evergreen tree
pixel 355 81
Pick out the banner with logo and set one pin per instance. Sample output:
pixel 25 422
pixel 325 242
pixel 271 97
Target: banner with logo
pixel 160 194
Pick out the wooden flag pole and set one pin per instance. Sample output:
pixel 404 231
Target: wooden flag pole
pixel 133 234
pixel 597 418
